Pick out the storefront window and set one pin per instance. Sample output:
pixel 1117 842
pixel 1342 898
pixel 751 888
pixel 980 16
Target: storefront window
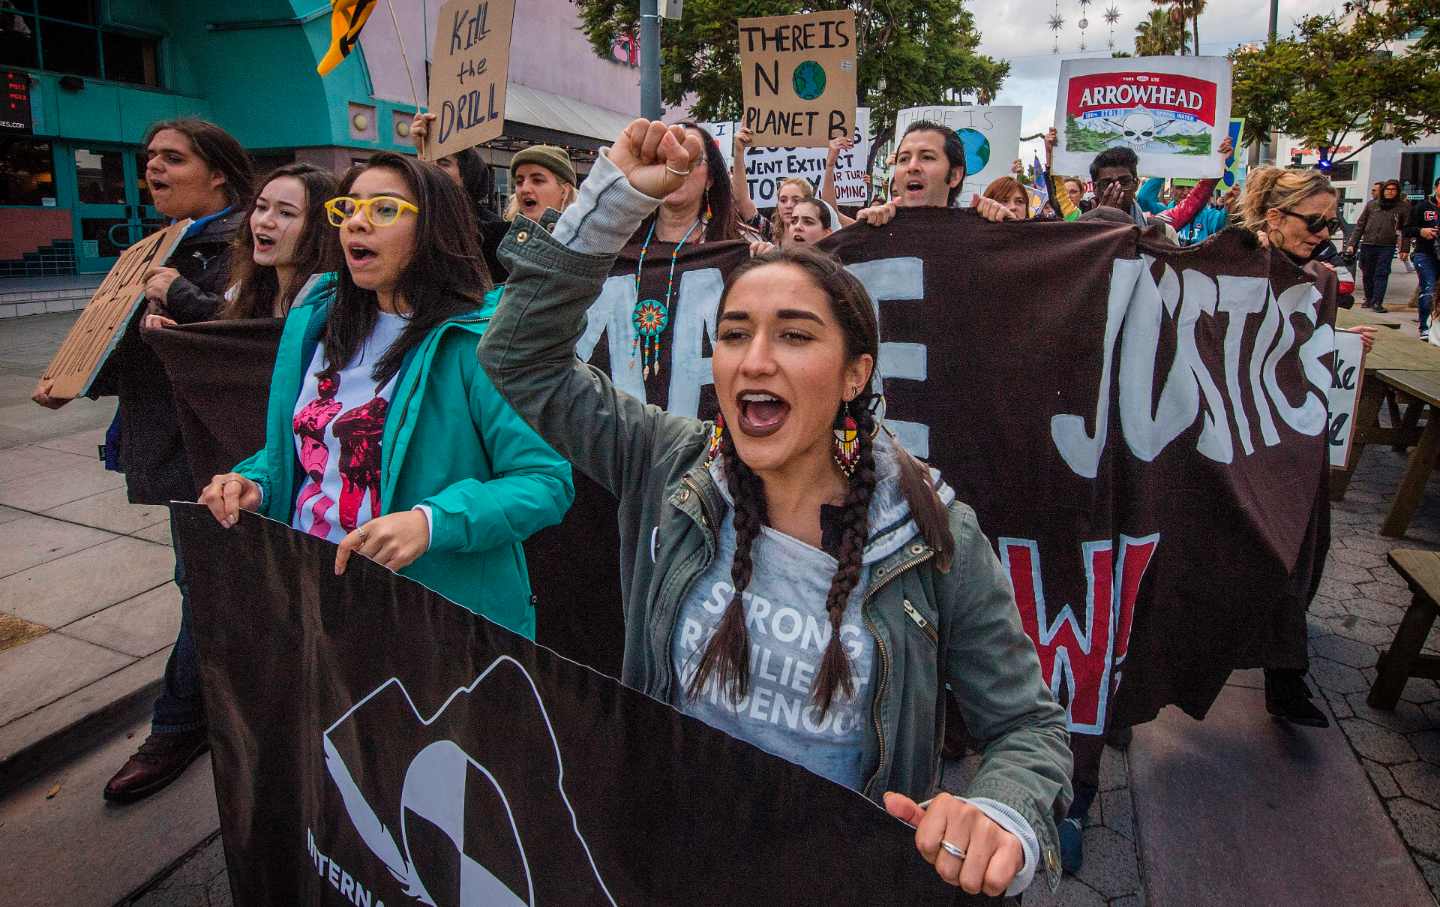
pixel 100 176
pixel 27 172
pixel 131 58
pixel 71 49
pixel 19 41
pixel 65 37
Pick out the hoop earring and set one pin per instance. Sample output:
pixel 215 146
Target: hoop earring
pixel 717 435
pixel 846 444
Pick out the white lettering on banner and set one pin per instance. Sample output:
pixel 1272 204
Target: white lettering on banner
pixel 1150 425
pixel 696 302
pixel 893 280
pixel 342 881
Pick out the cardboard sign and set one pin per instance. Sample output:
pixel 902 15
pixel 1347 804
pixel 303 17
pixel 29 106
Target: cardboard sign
pixel 767 168
pixel 468 69
pixel 1346 375
pixel 798 78
pixel 1234 162
pixel 94 334
pixel 991 136
pixel 1173 112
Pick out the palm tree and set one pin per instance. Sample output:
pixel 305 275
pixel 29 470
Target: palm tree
pixel 1159 36
pixel 1182 10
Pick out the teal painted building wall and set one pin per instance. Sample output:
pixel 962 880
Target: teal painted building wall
pixel 248 67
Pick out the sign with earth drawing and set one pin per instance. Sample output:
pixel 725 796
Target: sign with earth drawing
pixel 991 136
pixel 798 78
pixel 1173 112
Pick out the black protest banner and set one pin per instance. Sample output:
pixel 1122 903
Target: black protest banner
pixel 219 373
pixel 376 744
pixel 1140 428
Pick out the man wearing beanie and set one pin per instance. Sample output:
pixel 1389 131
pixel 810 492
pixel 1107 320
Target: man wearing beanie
pixel 543 177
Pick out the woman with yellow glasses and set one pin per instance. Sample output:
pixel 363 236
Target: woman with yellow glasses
pixel 375 383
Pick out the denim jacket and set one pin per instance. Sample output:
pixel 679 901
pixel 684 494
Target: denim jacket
pixel 930 628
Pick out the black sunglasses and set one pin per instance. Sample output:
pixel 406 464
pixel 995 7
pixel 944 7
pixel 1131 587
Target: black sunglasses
pixel 1316 223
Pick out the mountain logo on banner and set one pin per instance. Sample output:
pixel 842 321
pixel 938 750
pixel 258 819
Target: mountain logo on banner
pixel 464 814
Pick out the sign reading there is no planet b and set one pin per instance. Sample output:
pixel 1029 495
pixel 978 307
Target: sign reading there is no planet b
pixel 798 78
pixel 468 68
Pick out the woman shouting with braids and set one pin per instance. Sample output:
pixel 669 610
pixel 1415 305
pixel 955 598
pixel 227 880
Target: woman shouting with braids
pixel 791 575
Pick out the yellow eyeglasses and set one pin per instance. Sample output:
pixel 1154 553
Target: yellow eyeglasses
pixel 380 211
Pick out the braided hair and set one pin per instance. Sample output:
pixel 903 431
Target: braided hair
pixel 726 657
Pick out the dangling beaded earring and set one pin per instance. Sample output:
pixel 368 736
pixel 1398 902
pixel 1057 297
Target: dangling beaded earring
pixel 717 434
pixel 847 441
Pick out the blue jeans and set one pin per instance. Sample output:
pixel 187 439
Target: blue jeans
pixel 1428 268
pixel 180 708
pixel 1375 268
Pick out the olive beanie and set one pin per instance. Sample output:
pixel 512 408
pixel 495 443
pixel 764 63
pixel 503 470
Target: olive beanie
pixel 554 159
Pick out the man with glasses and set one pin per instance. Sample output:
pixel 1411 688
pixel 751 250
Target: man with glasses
pixel 1115 172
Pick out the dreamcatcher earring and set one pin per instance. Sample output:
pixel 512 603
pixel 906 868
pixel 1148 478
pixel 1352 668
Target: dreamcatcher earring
pixel 847 440
pixel 717 436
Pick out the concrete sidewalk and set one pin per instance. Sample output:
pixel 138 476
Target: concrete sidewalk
pixel 88 609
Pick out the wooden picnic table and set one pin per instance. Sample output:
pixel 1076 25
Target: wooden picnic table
pixel 1422 387
pixel 1404 359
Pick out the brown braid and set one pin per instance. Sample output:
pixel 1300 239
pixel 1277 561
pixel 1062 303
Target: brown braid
pixel 727 657
pixel 835 673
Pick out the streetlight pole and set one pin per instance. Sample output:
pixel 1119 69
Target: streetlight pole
pixel 1274 18
pixel 650 59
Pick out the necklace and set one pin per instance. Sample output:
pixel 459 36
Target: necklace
pixel 652 315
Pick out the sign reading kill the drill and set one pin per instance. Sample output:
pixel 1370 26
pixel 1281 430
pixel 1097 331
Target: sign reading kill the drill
pixel 468 68
pixel 798 78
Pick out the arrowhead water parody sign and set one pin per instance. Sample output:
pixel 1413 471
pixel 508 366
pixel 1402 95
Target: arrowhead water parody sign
pixel 991 136
pixel 797 77
pixel 1173 112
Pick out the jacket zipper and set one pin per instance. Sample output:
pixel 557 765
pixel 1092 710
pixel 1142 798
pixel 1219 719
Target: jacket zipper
pixel 884 659
pixel 922 623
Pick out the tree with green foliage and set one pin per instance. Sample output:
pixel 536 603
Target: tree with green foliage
pixel 1159 35
pixel 910 52
pixel 1181 11
pixel 1373 74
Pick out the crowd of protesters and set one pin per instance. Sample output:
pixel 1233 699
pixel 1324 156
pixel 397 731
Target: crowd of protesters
pixel 390 278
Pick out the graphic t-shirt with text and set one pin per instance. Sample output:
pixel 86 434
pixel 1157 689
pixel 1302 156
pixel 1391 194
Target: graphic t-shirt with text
pixel 788 630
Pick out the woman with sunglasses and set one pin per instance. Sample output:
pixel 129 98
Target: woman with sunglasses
pixel 791 575
pixel 384 436
pixel 1293 213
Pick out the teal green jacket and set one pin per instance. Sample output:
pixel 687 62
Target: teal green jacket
pixel 452 443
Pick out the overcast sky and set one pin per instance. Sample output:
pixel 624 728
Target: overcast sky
pixel 1019 31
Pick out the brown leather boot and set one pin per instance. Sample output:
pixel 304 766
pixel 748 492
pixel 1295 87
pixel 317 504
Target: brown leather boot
pixel 160 760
